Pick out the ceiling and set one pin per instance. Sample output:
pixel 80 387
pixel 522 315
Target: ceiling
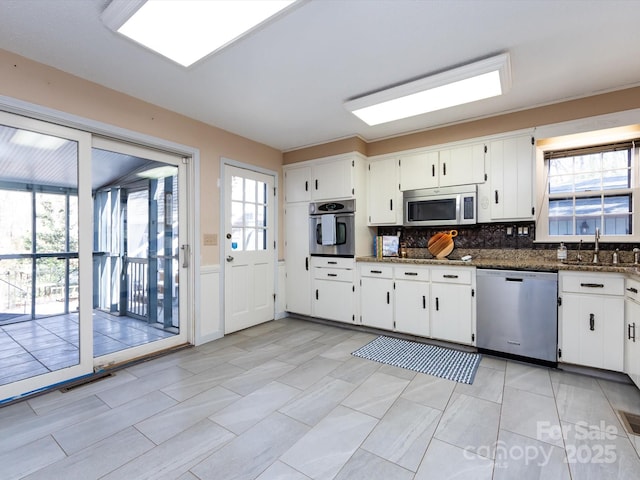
pixel 284 84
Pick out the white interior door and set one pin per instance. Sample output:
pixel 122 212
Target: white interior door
pixel 249 248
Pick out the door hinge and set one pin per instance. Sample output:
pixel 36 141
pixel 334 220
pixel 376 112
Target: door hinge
pixel 559 353
pixel 473 292
pixel 274 191
pixel 353 163
pixel 559 301
pixel 185 160
pixel 473 337
pixel 533 141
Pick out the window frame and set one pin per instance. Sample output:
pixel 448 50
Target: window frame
pixel 543 196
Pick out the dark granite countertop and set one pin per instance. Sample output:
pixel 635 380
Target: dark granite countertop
pixel 532 260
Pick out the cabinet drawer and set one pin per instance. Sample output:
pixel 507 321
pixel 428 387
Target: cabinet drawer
pixel 632 289
pixel 412 273
pixel 332 262
pixel 376 270
pixel 451 275
pixel 335 274
pixel 593 284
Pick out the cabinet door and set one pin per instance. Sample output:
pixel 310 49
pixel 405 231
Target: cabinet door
pixel 333 300
pixel 384 206
pixel 632 341
pixel 298 279
pixel 412 307
pixel 297 184
pixel 592 328
pixel 419 170
pixel 511 178
pixel 376 302
pixel 462 165
pixel 451 312
pixel 333 180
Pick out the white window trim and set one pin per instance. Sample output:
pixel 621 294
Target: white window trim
pixel 542 190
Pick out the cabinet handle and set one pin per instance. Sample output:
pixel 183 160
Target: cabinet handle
pixel 433 170
pixel 332 263
pixel 629 331
pixel 375 271
pixel 388 298
pixel 306 263
pixel 444 169
pixel 449 276
pixel 632 290
pixel 306 185
pixel 437 304
pixel 412 274
pixel 592 322
pixel 332 274
pixel 592 285
pixel 391 204
pixel 496 195
pixel 316 294
pixel 424 302
pixel 316 184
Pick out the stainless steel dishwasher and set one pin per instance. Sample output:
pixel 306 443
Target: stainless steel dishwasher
pixel 517 313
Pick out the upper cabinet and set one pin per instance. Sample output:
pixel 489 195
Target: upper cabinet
pixel 323 179
pixel 384 198
pixel 445 167
pixel 508 193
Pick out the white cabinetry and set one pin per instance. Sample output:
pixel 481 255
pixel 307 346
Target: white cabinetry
pixel 591 319
pixel 427 301
pixel 384 197
pixel 456 165
pixel 452 314
pixel 419 170
pixel 632 330
pixel 333 288
pixel 509 193
pixel 376 295
pixel 298 276
pixel 322 179
pixel 412 300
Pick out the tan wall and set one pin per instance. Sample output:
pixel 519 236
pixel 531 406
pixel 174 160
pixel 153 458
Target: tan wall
pixel 570 110
pixel 33 82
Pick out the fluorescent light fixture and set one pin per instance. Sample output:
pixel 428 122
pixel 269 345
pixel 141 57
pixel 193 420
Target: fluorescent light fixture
pixel 26 138
pixel 484 79
pixel 187 30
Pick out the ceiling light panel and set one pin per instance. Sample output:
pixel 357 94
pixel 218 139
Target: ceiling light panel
pixel 187 30
pixel 484 79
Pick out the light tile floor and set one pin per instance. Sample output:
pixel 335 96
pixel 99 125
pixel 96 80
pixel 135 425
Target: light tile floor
pixel 39 346
pixel 286 400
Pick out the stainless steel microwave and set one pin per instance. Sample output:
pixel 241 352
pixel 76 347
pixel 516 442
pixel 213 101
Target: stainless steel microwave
pixel 441 206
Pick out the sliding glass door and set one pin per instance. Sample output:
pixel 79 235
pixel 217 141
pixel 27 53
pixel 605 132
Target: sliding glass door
pixel 94 259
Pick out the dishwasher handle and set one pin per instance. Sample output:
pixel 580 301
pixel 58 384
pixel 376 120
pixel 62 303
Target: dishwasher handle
pixel 513 279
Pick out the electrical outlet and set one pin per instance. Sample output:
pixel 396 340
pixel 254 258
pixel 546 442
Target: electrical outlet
pixel 525 231
pixel 509 231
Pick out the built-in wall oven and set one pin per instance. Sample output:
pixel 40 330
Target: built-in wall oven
pixel 331 228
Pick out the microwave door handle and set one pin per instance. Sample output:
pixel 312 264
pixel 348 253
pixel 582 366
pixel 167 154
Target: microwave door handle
pixel 458 207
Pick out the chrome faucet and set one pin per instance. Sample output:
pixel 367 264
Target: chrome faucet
pixel 597 247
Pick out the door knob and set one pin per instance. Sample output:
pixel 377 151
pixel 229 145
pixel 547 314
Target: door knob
pixel 229 236
pixel 229 258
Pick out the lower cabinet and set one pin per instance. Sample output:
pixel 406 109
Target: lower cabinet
pixel 632 330
pixel 412 307
pixel 333 289
pixel 591 320
pixel 419 300
pixel 452 305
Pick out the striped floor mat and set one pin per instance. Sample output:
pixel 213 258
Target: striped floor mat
pixel 430 359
